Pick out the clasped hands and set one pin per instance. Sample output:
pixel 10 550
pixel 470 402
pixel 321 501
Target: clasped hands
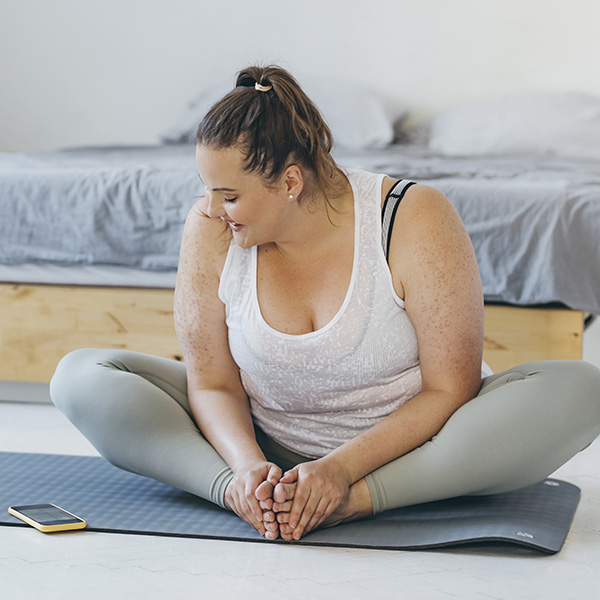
pixel 290 504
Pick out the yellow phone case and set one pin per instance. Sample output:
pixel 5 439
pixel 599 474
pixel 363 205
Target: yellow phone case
pixel 81 524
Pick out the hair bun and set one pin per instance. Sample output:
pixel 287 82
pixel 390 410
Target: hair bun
pixel 275 123
pixel 246 79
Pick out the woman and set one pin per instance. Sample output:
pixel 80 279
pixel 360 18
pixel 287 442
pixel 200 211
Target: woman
pixel 322 382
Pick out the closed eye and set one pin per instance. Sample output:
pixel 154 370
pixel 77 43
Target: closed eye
pixel 229 199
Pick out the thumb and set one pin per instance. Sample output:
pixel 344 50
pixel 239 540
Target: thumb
pixel 274 475
pixel 290 476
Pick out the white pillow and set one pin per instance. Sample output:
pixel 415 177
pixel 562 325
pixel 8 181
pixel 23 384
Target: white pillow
pixel 357 118
pixel 183 130
pixel 564 123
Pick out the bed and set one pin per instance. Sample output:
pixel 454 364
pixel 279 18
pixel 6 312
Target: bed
pixel 89 241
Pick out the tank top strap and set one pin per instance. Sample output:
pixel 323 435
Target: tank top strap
pixel 388 213
pixel 367 190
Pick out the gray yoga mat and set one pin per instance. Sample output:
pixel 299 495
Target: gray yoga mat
pixel 112 500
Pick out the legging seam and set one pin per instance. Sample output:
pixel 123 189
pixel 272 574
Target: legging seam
pixel 143 374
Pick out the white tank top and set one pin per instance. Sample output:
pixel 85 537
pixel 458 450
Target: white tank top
pixel 315 391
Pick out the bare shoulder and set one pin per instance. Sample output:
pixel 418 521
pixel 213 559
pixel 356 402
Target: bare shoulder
pixel 205 242
pixel 204 247
pixel 199 312
pixel 427 233
pixel 435 270
pixel 427 205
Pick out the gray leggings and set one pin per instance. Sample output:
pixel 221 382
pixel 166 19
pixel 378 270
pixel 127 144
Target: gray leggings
pixel 523 424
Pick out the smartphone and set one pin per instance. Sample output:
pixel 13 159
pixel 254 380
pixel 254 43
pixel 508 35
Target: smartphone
pixel 47 517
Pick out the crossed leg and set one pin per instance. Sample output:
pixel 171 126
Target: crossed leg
pixel 524 424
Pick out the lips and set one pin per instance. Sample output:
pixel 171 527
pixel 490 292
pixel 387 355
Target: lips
pixel 233 225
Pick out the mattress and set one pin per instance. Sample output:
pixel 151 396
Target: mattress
pixel 92 275
pixel 534 220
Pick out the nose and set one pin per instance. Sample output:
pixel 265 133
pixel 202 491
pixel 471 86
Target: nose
pixel 215 205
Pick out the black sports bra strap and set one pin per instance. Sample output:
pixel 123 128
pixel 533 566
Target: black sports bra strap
pixel 388 212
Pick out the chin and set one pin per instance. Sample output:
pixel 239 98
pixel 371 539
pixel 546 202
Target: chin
pixel 243 242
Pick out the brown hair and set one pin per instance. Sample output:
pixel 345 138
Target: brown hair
pixel 274 129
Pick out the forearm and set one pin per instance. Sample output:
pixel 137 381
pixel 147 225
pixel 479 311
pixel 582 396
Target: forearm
pixel 225 421
pixel 405 429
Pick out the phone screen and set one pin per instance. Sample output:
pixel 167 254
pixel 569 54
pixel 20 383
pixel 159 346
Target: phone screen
pixel 46 514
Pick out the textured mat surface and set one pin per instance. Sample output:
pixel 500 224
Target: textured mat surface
pixel 112 500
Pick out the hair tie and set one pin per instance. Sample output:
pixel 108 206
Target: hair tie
pixel 262 88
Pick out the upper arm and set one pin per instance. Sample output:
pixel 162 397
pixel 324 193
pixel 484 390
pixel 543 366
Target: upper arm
pixel 199 312
pixel 434 269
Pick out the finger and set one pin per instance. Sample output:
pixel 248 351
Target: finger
pixel 290 476
pixel 274 475
pixel 252 503
pixel 250 517
pixel 309 508
pixel 242 510
pixel 323 510
pixel 298 505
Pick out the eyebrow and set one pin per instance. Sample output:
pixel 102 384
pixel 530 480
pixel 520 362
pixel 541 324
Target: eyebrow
pixel 221 189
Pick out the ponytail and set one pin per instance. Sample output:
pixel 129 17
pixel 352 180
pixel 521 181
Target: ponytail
pixel 270 118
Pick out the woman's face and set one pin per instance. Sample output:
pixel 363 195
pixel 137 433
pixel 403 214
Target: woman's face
pixel 255 214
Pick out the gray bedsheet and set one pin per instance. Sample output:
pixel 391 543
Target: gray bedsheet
pixel 534 221
pixel 111 206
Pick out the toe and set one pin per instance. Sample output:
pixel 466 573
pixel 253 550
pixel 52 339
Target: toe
pixel 282 507
pixel 266 504
pixel 271 535
pixel 268 516
pixel 264 491
pixel 283 517
pixel 284 492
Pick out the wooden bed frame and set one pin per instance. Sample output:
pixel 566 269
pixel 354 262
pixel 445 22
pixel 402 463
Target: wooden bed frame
pixel 41 323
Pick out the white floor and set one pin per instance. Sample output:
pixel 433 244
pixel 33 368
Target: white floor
pixel 93 566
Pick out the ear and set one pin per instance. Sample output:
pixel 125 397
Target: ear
pixel 293 182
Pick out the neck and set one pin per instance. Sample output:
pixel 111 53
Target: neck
pixel 316 229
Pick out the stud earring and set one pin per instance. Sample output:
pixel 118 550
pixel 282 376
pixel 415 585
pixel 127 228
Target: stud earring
pixel 291 196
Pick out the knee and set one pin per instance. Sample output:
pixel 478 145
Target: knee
pixel 73 379
pixel 586 380
pixel 578 384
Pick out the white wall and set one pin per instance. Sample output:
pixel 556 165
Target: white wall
pixel 82 72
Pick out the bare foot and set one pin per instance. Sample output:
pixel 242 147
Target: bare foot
pixel 283 497
pixel 264 495
pixel 357 505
